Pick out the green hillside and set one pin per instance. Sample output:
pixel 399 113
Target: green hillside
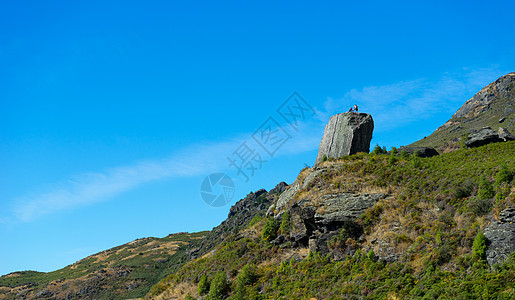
pixel 432 222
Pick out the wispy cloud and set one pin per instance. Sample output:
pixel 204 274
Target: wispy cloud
pixel 398 104
pixel 194 160
pixel 94 187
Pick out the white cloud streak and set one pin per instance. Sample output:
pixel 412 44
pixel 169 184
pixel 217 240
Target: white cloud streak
pixel 195 160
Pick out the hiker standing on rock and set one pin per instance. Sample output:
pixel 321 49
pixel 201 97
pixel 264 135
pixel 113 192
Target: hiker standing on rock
pixel 355 108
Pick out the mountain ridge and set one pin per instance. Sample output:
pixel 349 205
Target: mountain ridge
pixel 493 106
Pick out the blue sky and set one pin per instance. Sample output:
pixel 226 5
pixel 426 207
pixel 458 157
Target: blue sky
pixel 113 113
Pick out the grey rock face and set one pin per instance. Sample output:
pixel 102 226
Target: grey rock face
pixel 291 190
pixel 285 198
pixel 315 229
pixel 303 223
pixel 345 207
pixel 501 237
pixel 279 188
pixel 318 242
pixel 487 135
pixel 481 100
pixel 345 134
pixel 483 137
pixel 507 215
pixel 422 151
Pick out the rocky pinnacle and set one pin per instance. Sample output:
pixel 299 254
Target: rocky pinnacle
pixel 345 134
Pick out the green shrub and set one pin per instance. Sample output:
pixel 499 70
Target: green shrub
pixel 255 220
pixel 219 287
pixel 285 223
pixel 415 160
pixel 324 158
pixel 189 297
pixel 463 190
pixel 486 190
pixel 270 230
pixel 463 139
pixel 350 230
pixel 447 217
pixel 393 156
pixel 203 285
pixel 503 175
pixel 371 216
pixel 444 254
pixel 479 246
pixel 480 206
pixel 248 275
pixel 372 256
pixel 404 154
pixel 379 150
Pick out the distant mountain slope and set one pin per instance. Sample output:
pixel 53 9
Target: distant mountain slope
pixel 129 270
pixel 493 106
pixel 126 271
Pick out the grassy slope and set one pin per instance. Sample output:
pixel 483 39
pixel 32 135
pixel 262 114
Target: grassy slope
pixel 431 220
pixel 119 273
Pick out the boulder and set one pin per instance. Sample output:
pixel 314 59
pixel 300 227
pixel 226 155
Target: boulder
pixel 482 137
pixel 505 135
pixel 422 151
pixel 345 134
pixel 501 237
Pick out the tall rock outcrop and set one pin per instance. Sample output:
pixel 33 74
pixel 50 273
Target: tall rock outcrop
pixel 345 134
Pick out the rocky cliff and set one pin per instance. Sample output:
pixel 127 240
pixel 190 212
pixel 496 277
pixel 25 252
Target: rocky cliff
pixel 345 134
pixel 493 107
